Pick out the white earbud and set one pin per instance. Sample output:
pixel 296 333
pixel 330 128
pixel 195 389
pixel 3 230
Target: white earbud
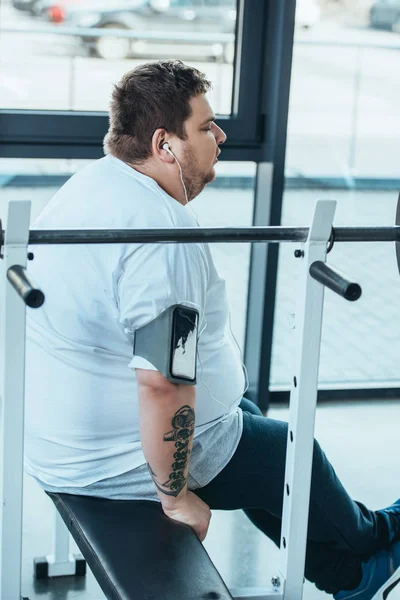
pixel 167 149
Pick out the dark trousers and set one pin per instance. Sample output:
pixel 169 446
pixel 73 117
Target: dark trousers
pixel 341 532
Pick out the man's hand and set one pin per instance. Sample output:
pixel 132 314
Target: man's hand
pixel 191 510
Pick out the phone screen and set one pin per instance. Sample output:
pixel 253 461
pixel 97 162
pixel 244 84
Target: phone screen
pixel 184 343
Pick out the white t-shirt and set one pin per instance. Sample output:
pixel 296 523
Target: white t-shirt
pixel 82 420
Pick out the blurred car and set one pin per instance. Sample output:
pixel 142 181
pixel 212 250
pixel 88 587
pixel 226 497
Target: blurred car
pixel 308 13
pixel 385 14
pixel 26 5
pixel 147 16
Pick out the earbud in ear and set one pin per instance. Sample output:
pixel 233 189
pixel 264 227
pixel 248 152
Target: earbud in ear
pixel 167 149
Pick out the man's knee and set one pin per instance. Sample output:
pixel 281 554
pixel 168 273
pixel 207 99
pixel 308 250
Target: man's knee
pixel 250 407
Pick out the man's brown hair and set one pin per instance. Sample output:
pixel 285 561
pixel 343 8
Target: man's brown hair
pixel 151 96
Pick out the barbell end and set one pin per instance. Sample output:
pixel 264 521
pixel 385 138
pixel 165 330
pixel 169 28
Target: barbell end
pixel 25 287
pixel 335 281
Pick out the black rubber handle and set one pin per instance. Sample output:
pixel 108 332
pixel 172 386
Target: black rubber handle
pixel 334 281
pixel 21 282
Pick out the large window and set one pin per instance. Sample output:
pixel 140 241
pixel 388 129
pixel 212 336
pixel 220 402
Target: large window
pixel 343 144
pixel 344 119
pixel 361 340
pixel 57 76
pixel 65 55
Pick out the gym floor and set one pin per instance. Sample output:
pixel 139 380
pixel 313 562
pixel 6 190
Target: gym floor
pixel 366 432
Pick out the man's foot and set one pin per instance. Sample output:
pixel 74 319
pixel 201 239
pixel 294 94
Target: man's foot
pixel 390 589
pixel 392 517
pixel 376 572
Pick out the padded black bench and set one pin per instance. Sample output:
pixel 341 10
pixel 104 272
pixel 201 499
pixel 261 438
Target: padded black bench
pixel 137 553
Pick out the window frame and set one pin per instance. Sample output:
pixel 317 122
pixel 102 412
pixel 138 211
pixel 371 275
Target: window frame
pixel 76 134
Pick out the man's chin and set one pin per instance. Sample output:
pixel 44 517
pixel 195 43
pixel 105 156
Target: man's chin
pixel 206 179
pixel 211 176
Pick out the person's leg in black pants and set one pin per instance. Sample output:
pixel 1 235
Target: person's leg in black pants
pixel 341 532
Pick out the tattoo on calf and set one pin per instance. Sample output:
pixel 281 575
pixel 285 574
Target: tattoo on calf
pixel 183 428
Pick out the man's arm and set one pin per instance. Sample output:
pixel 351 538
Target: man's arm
pixel 167 420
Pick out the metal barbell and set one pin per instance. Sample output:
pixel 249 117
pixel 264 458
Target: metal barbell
pixel 34 298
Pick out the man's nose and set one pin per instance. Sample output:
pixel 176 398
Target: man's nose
pixel 220 135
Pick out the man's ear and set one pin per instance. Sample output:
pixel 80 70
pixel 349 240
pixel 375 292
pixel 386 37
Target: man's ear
pixel 160 137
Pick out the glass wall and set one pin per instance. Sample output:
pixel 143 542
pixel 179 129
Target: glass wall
pixel 343 144
pixel 344 119
pixel 65 55
pixel 361 340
